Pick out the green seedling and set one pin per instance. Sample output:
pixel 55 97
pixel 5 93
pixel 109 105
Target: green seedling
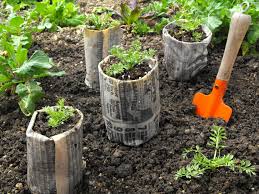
pixel 129 15
pixel 217 14
pixel 59 114
pixel 58 13
pixel 18 74
pixel 191 26
pixel 100 22
pixel 159 8
pixel 201 163
pixel 128 59
pixel 141 28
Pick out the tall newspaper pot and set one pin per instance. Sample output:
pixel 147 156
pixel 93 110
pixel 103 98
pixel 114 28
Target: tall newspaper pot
pixel 130 108
pixel 184 60
pixel 54 164
pixel 97 44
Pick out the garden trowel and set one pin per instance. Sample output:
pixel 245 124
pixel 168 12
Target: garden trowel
pixel 212 105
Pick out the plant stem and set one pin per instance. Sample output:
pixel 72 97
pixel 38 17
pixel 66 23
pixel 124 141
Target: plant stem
pixel 215 153
pixel 217 145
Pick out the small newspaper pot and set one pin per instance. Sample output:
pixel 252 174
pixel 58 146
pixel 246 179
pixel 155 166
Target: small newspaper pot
pixel 54 165
pixel 97 45
pixel 130 108
pixel 183 60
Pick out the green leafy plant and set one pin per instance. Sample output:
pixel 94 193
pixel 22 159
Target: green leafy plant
pixel 18 74
pixel 128 59
pixel 201 163
pixel 59 13
pixel 216 14
pixel 160 13
pixel 141 28
pixel 100 22
pixel 159 8
pixel 59 114
pixel 17 30
pixel 129 15
pixel 189 28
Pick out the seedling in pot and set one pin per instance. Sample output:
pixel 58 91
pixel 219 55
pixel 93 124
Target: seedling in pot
pixel 100 22
pixel 54 147
pixel 126 60
pixel 188 31
pixel 59 114
pixel 201 163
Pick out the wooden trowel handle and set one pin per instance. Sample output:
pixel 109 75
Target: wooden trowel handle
pixel 237 31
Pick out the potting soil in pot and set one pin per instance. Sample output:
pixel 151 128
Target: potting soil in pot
pixel 41 125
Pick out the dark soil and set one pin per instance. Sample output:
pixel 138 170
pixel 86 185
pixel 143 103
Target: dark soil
pixel 187 36
pixel 139 70
pixel 114 168
pixel 41 125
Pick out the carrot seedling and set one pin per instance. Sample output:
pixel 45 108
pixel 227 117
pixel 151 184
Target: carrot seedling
pixel 59 114
pixel 201 163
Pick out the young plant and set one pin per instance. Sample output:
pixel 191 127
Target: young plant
pixel 217 15
pixel 128 59
pixel 130 14
pixel 16 29
pixel 159 8
pixel 58 13
pixel 201 163
pixel 18 74
pixel 141 28
pixel 190 29
pixel 100 22
pixel 59 114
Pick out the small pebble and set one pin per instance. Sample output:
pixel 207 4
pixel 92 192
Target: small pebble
pixel 117 153
pixel 19 186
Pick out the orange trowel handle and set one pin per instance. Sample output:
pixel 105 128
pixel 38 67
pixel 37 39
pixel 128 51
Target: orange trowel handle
pixel 237 31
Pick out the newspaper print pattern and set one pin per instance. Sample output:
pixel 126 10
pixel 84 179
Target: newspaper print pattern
pixel 131 108
pixel 97 45
pixel 184 60
pixel 46 172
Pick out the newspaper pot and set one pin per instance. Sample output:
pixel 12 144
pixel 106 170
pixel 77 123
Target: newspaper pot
pixel 130 108
pixel 97 45
pixel 54 165
pixel 183 60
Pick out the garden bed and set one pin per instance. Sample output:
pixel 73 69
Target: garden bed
pixel 150 168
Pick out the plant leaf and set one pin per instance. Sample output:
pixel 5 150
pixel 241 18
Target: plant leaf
pixel 38 61
pixel 213 22
pixel 253 35
pixel 30 93
pixel 21 56
pixel 135 14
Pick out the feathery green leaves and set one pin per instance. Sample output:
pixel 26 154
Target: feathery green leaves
pixel 201 163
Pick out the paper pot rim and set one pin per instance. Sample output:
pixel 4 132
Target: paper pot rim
pixel 106 29
pixel 30 131
pixel 204 28
pixel 153 60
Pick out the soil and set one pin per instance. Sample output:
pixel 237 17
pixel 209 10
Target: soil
pixel 139 70
pixel 41 125
pixel 187 36
pixel 150 168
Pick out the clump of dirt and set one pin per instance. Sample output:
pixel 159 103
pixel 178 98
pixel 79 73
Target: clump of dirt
pixel 181 34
